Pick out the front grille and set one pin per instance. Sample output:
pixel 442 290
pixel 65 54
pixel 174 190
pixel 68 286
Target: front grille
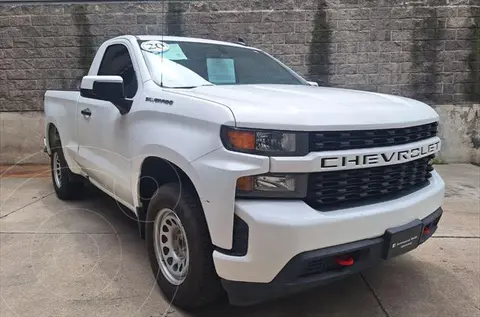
pixel 361 139
pixel 331 190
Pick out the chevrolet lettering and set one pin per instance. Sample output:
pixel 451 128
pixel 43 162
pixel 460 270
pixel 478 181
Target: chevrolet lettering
pixel 378 159
pixel 245 179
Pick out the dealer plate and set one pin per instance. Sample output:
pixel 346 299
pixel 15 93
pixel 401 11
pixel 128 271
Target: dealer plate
pixel 402 239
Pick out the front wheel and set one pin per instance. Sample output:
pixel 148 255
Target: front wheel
pixel 180 249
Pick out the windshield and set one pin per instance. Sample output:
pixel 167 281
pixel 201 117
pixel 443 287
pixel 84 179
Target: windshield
pixel 191 64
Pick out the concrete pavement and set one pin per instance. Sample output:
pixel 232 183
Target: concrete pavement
pixel 84 258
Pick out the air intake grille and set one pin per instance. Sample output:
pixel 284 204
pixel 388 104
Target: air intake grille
pixel 361 139
pixel 330 190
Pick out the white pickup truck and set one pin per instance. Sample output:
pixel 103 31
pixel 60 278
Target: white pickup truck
pixel 244 177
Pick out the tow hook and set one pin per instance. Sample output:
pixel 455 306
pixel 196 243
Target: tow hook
pixel 345 260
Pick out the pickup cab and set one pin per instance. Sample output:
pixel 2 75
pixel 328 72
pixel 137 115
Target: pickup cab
pixel 245 178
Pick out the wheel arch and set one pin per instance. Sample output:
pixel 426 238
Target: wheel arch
pixel 52 135
pixel 160 171
pixel 155 171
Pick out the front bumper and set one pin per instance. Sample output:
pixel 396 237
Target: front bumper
pixel 278 230
pixel 313 268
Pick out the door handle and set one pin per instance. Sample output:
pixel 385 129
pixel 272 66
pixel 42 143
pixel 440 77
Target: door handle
pixel 86 112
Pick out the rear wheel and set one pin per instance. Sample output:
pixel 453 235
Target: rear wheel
pixel 180 249
pixel 67 185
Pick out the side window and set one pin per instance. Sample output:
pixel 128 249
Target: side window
pixel 117 61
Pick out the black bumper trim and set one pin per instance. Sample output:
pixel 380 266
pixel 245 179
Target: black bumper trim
pixel 317 267
pixel 240 238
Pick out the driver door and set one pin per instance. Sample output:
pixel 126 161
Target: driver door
pixel 103 132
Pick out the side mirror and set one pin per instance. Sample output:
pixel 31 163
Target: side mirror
pixel 108 88
pixel 312 83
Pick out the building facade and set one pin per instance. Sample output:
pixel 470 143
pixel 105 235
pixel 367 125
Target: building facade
pixel 424 49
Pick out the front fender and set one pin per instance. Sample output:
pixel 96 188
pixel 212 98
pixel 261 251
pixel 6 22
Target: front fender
pixel 167 154
pixel 181 162
pixel 182 133
pixel 218 172
pixel 214 176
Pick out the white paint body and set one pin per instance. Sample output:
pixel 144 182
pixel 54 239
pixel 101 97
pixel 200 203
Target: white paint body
pixel 109 148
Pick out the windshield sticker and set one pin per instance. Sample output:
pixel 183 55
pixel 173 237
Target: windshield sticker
pixel 174 53
pixel 221 70
pixel 155 46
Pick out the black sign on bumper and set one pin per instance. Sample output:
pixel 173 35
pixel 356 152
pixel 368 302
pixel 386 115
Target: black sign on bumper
pixel 402 239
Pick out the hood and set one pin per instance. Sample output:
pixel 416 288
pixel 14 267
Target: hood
pixel 297 107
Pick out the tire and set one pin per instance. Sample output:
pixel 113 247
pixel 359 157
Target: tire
pixel 199 284
pixel 67 185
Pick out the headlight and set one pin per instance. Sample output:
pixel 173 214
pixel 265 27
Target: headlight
pixel 265 142
pixel 273 185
